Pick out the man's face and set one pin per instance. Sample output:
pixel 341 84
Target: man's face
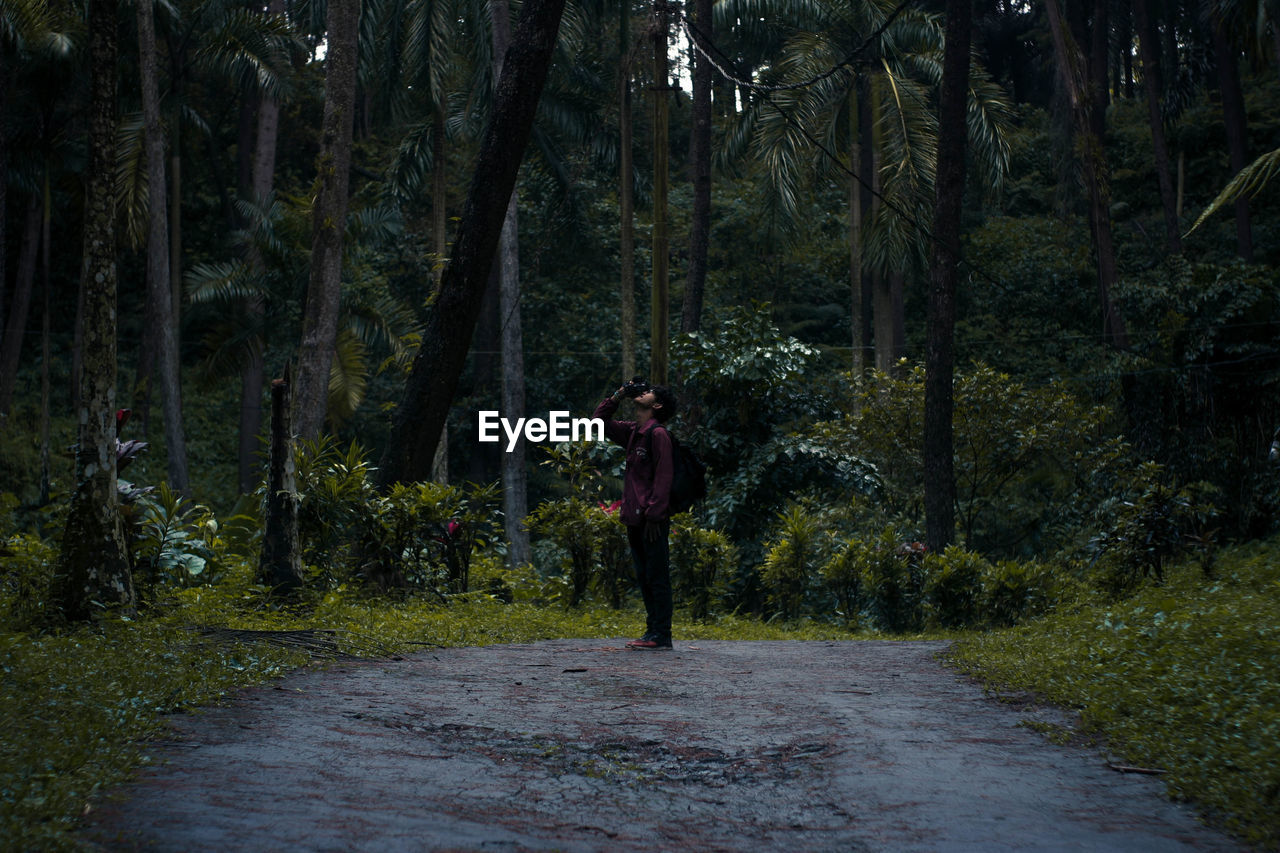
pixel 648 400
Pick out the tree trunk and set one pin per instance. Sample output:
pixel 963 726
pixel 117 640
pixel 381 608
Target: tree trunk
pixel 440 231
pixel 280 563
pixel 253 373
pixel 939 403
pixel 4 186
pixel 158 282
pixel 93 568
pixel 328 221
pixel 1234 119
pixel 869 207
pixel 420 417
pixel 659 306
pixel 515 476
pixel 626 193
pixel 855 232
pixel 439 193
pixel 1152 83
pixel 20 307
pixel 700 166
pixel 1075 81
pixel 46 385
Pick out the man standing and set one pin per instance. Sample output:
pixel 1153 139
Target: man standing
pixel 646 498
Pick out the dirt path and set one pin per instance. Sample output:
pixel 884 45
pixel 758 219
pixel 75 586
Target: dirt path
pixel 579 745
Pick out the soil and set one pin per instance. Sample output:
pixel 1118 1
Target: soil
pixel 581 745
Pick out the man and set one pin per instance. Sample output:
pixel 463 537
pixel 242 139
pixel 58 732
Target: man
pixel 646 497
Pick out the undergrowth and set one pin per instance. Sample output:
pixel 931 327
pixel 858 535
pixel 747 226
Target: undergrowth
pixel 1179 677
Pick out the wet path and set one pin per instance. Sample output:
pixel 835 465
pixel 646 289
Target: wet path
pixel 579 745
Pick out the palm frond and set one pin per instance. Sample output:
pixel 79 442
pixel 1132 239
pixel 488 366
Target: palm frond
pixel 253 50
pixel 1250 180
pixel 132 192
pixel 412 163
pixel 991 121
pixel 348 376
pixel 224 283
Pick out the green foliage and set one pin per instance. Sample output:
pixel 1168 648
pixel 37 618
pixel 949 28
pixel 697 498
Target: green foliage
pixel 953 586
pixel 1019 451
pixel 1150 524
pixel 592 541
pixel 1014 591
pixel 173 542
pixel 26 571
pixel 1180 677
pixel 423 535
pixel 702 562
pixel 415 536
pixel 792 559
pixel 334 491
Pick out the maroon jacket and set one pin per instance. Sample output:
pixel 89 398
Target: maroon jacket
pixel 646 486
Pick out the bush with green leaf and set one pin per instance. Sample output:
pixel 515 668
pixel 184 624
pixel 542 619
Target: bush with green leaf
pixel 702 561
pixel 335 489
pixel 1028 460
pixel 793 560
pixel 174 542
pixel 1150 523
pixel 423 536
pixel 953 587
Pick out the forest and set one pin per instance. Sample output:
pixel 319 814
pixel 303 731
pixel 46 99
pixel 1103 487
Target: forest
pixel 971 309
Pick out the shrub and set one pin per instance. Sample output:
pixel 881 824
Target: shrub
pixel 792 560
pixel 26 569
pixel 953 586
pixel 591 542
pixel 1014 591
pixel 702 561
pixel 1151 523
pixel 423 536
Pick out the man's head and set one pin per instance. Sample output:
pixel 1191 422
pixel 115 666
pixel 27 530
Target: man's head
pixel 660 402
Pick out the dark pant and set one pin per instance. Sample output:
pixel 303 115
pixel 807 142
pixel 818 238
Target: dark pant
pixel 653 574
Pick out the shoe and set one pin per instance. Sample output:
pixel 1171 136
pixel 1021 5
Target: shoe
pixel 650 643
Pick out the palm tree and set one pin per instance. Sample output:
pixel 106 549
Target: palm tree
pixel 329 216
pixel 812 123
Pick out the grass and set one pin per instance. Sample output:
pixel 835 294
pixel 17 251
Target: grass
pixel 1183 677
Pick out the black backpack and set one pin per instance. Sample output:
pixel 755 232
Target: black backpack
pixel 688 477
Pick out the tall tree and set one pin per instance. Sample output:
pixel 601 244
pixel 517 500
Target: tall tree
pixel 1233 119
pixel 1152 83
pixel 328 220
pixel 939 404
pixel 626 194
pixel 261 188
pixel 20 304
pixel 515 476
pixel 93 568
pixel 659 319
pixel 433 380
pixel 1081 85
pixel 159 294
pixel 700 167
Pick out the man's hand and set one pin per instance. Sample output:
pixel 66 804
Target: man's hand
pixel 652 531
